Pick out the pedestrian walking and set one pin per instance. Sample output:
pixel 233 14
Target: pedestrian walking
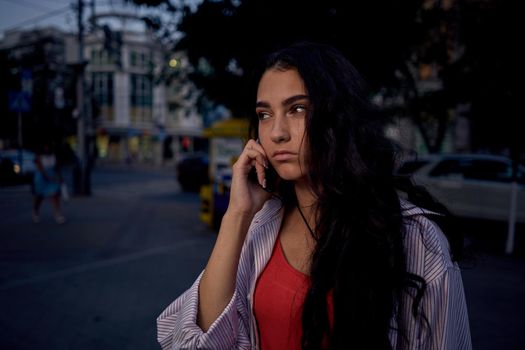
pixel 336 256
pixel 47 183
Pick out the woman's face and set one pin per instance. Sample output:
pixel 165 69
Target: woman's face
pixel 282 106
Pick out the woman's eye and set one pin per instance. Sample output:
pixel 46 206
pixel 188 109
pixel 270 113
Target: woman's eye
pixel 263 115
pixel 299 109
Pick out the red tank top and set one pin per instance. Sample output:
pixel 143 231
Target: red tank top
pixel 278 300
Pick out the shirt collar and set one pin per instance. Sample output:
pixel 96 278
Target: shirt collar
pixel 410 209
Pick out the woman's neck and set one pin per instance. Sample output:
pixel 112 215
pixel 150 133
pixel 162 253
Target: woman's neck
pixel 305 210
pixel 306 198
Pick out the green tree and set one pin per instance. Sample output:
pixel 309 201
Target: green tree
pixel 233 33
pixel 493 73
pixel 425 58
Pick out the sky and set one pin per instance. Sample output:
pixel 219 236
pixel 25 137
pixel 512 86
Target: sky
pixel 28 14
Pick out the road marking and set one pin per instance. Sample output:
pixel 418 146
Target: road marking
pixel 101 264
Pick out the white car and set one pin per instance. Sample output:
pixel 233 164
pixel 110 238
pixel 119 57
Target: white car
pixel 470 185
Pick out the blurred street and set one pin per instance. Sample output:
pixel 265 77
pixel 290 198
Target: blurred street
pixel 100 280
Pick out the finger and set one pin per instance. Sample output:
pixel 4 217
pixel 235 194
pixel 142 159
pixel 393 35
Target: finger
pixel 256 159
pixel 252 153
pixel 253 145
pixel 255 164
pixel 261 175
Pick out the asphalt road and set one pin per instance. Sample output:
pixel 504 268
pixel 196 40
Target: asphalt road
pixel 100 280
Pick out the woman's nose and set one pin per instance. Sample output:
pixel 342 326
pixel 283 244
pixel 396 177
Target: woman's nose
pixel 280 130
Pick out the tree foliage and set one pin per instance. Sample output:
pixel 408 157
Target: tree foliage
pixel 222 31
pixel 492 76
pixel 428 56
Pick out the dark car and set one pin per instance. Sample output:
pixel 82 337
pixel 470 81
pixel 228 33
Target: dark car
pixel 16 167
pixel 192 171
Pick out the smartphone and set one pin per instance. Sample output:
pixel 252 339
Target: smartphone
pixel 271 178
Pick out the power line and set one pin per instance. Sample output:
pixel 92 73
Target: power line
pixel 28 4
pixel 38 18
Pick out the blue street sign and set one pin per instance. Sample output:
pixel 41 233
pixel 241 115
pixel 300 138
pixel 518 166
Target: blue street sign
pixel 19 101
pixel 26 74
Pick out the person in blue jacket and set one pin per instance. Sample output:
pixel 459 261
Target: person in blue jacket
pixel 47 183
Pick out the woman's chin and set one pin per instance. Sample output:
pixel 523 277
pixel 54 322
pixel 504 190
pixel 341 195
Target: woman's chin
pixel 290 176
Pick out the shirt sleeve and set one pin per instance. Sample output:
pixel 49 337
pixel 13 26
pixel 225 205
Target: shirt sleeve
pixel 177 325
pixel 445 309
pixel 442 319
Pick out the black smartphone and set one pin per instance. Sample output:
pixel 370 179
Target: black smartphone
pixel 271 178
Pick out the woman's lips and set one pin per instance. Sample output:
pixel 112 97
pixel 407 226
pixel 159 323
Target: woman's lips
pixel 283 156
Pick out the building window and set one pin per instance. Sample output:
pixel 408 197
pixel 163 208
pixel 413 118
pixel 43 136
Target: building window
pixel 103 88
pixel 141 98
pixel 94 57
pixel 101 57
pixel 133 58
pixel 139 59
pixel 141 90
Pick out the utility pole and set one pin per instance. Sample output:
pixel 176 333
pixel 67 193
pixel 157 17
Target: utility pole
pixel 19 122
pixel 93 20
pixel 20 102
pixel 83 179
pixel 20 135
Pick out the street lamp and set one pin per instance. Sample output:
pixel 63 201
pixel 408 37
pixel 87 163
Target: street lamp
pixel 173 63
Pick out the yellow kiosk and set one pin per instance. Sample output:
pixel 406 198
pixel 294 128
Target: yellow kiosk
pixel 226 141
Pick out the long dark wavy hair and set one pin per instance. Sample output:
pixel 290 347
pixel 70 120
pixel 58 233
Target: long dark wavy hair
pixel 359 254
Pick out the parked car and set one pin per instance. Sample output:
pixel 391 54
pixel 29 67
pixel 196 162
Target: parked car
pixel 16 166
pixel 192 171
pixel 470 185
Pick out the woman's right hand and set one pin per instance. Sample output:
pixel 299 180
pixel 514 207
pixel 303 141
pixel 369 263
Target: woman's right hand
pixel 218 281
pixel 247 197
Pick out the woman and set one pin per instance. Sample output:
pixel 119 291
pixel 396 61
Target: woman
pixel 334 258
pixel 47 183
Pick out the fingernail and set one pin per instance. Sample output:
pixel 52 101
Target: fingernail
pixel 264 183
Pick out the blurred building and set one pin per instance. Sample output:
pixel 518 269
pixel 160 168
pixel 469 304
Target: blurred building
pixel 141 105
pixel 184 122
pixel 123 76
pixel 37 87
pixel 145 103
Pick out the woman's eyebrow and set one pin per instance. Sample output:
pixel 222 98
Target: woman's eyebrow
pixel 262 104
pixel 293 99
pixel 286 102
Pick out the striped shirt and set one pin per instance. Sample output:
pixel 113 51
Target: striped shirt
pixel 427 255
